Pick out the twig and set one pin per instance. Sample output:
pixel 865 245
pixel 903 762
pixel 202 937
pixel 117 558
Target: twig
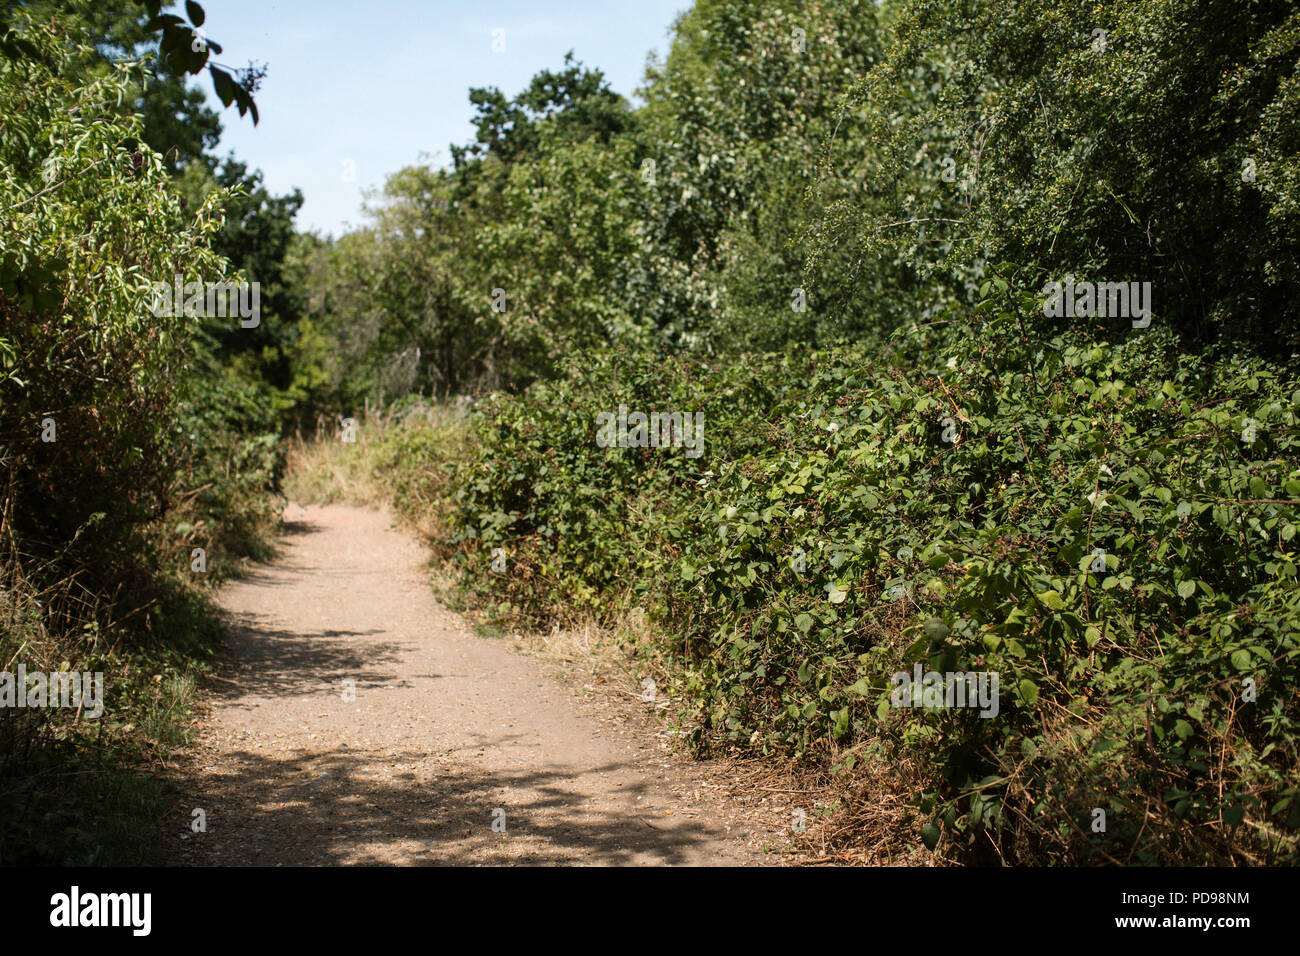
pixel 56 185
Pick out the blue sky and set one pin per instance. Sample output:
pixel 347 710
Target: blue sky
pixel 379 83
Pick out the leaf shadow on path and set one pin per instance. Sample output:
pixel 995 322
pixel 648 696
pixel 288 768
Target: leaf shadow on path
pixel 447 819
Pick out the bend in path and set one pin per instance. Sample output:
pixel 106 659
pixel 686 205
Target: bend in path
pixel 449 733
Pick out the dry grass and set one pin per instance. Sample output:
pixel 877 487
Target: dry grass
pixel 326 469
pixel 330 471
pixel 594 648
pixel 31 614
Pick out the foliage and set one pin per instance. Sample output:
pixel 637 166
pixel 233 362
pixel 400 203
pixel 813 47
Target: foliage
pixel 87 224
pixel 906 461
pixel 184 48
pixel 1121 688
pixel 123 449
pixel 738 120
pixel 1130 140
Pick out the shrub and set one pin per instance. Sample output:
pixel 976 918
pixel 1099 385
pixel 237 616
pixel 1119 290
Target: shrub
pixel 951 511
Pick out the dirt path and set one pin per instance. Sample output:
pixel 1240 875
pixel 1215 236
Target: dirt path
pixel 448 733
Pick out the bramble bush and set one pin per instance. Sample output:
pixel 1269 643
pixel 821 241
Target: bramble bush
pixel 588 522
pixel 950 492
pixel 1126 685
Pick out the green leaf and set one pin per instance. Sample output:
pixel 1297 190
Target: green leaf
pixel 224 85
pixel 157 23
pixel 1052 599
pixel 840 722
pixel 936 561
pixel 1028 691
pixel 930 836
pixel 936 630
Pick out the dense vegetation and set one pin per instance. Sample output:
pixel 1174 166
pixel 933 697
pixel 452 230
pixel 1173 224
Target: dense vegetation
pixel 830 227
pixel 128 438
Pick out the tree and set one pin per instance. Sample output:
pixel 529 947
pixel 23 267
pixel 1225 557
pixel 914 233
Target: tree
pixel 1135 140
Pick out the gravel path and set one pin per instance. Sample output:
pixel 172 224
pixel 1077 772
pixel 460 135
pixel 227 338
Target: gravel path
pixel 455 750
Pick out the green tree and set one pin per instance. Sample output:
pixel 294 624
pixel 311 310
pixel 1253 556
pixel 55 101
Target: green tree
pixel 1123 141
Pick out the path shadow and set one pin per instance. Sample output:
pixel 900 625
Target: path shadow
pixel 264 661
pixel 335 804
pixel 293 529
pixel 315 810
